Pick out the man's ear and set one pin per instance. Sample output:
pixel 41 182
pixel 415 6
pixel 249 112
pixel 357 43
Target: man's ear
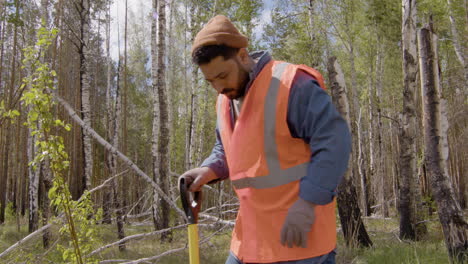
pixel 243 56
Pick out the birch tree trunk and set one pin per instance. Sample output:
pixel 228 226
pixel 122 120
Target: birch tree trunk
pixel 85 62
pixel 409 195
pixel 348 205
pixel 123 196
pixel 33 187
pixel 365 205
pixel 451 217
pixel 107 196
pixel 457 43
pixel 33 176
pixel 192 120
pixel 381 173
pixel 155 142
pixel 163 148
pixel 370 111
pixel 116 199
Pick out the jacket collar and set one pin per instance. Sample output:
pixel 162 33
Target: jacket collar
pixel 261 58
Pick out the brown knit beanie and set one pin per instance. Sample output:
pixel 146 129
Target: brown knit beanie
pixel 220 31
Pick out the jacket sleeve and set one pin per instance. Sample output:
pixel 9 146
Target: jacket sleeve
pixel 217 159
pixel 313 118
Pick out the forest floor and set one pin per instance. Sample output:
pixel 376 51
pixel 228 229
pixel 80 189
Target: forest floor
pixel 388 248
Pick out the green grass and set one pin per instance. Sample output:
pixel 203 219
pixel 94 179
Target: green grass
pixel 389 249
pixel 383 232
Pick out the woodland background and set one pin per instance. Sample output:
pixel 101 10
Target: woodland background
pixel 109 114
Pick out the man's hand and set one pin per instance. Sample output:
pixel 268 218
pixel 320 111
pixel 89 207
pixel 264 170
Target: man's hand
pixel 298 223
pixel 196 178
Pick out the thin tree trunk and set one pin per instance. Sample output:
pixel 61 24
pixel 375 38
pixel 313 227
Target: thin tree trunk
pixel 33 187
pixel 47 183
pixel 457 43
pixel 124 181
pixel 365 205
pixel 156 124
pixel 85 76
pixel 107 199
pixel 116 199
pixel 33 176
pixel 381 173
pixel 454 226
pixel 163 120
pixel 348 205
pixel 20 165
pixel 192 121
pixel 47 178
pixel 5 150
pixel 2 41
pixel 372 175
pixel 409 195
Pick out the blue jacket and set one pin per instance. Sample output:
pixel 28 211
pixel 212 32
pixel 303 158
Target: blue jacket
pixel 312 117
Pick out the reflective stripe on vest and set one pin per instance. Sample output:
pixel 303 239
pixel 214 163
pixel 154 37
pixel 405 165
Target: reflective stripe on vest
pixel 276 176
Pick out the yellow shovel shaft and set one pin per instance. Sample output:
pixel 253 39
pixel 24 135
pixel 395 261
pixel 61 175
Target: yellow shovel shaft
pixel 193 244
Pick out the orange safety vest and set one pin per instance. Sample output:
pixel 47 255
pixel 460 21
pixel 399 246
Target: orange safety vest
pixel 265 166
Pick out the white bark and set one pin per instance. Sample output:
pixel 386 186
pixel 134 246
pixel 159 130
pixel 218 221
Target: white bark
pixel 193 117
pixel 381 173
pixel 451 216
pixel 457 44
pixel 341 94
pixel 443 120
pixel 33 187
pixel 85 93
pixel 372 174
pixel 348 209
pixel 410 195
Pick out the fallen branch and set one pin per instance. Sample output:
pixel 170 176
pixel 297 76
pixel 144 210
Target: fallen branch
pixel 115 151
pixel 206 239
pixel 134 237
pixel 24 240
pixel 172 251
pixel 40 230
pixel 219 220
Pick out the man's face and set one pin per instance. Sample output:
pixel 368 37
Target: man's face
pixel 228 77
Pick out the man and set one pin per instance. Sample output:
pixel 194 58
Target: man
pixel 281 142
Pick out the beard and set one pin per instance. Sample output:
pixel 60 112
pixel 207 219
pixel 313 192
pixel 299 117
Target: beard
pixel 243 77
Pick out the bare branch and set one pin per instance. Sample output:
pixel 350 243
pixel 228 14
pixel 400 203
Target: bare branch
pixel 226 222
pixel 172 251
pixel 40 230
pixel 105 183
pixel 392 119
pixel 25 239
pixel 135 237
pixel 115 151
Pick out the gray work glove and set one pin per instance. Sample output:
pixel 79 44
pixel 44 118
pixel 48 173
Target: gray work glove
pixel 298 223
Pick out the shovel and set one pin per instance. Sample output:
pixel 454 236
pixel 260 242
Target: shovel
pixel 191 204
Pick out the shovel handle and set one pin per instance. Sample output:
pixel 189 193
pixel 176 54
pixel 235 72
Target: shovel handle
pixel 191 206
